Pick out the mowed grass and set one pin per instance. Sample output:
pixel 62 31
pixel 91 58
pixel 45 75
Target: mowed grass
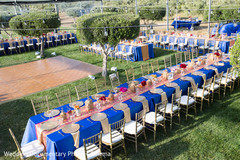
pixel 211 134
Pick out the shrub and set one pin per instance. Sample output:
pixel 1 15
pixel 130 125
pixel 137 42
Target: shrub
pixel 235 56
pixel 152 13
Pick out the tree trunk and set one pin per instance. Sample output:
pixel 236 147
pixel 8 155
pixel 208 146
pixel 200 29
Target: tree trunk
pixel 74 20
pixel 104 67
pixel 42 48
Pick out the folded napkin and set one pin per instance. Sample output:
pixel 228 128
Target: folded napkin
pixel 127 115
pixel 163 97
pixel 197 73
pixel 213 68
pixel 105 125
pixel 191 80
pixel 145 105
pixel 75 136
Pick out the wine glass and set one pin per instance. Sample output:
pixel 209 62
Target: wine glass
pixel 98 106
pixel 137 91
pixel 120 97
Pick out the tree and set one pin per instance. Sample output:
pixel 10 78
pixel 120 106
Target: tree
pixel 152 13
pixel 235 56
pixel 94 28
pixel 35 24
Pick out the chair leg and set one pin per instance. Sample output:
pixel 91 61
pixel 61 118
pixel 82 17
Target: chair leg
pixel 201 105
pixel 155 130
pixel 136 143
pixel 186 112
pixel 212 95
pixel 124 147
pixel 171 122
pixel 111 151
pixel 145 135
pixel 179 118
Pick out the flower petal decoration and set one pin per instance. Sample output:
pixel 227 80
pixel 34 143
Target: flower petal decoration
pixel 217 54
pixel 183 65
pixel 123 89
pixel 143 83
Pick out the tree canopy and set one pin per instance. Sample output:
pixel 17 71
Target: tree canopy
pixel 35 24
pixel 152 13
pixel 117 28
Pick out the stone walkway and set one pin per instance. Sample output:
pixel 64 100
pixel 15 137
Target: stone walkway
pixel 24 79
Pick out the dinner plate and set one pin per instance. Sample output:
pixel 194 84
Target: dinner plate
pixel 49 125
pixel 219 64
pixel 71 128
pixel 156 91
pixel 51 113
pixel 120 106
pixel 171 84
pixel 160 72
pixel 98 116
pixel 138 98
pixel 96 96
pixel 115 90
pixel 186 78
pixel 148 77
pixel 79 103
pixel 197 73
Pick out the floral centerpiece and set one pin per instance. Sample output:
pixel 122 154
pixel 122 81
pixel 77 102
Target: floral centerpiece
pixel 183 66
pixel 165 75
pixel 102 99
pixel 143 83
pixel 217 54
pixel 77 110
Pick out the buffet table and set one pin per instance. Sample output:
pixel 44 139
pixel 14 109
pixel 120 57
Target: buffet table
pixel 60 145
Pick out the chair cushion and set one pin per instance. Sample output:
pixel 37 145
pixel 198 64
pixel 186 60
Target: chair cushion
pixel 203 47
pixel 216 86
pixel 224 81
pixel 32 148
pixel 169 106
pixel 92 153
pixel 1 49
pixel 200 91
pixel 184 100
pixel 20 46
pixel 29 44
pixel 130 127
pixel 11 47
pixel 150 118
pixel 117 137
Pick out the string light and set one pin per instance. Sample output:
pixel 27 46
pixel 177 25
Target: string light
pixel 105 32
pixel 43 21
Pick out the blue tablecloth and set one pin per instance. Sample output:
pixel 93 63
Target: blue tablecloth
pixel 223 45
pixel 56 143
pixel 137 51
pixel 188 24
pixel 6 44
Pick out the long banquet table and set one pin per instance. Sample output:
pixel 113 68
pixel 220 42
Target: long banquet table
pixel 5 45
pixel 188 24
pixel 62 146
pixel 223 44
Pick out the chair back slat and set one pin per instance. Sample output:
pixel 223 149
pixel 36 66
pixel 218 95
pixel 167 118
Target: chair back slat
pixel 130 74
pixel 178 57
pixel 155 66
pixel 100 84
pixel 40 104
pixel 82 91
pixel 64 97
pixel 145 69
pixel 116 126
pixel 167 61
pixel 92 144
pixel 187 55
pixel 140 120
pixel 114 79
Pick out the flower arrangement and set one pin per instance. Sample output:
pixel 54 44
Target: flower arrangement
pixel 143 83
pixel 217 54
pixel 103 98
pixel 123 89
pixel 76 107
pixel 199 59
pixel 183 66
pixel 154 76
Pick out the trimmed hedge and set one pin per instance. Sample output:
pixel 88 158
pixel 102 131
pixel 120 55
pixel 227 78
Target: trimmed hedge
pixel 234 56
pixel 88 35
pixel 220 13
pixel 152 13
pixel 36 20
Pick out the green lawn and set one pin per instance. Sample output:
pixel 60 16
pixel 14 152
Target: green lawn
pixel 212 134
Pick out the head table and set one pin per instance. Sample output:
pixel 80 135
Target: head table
pixel 60 145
